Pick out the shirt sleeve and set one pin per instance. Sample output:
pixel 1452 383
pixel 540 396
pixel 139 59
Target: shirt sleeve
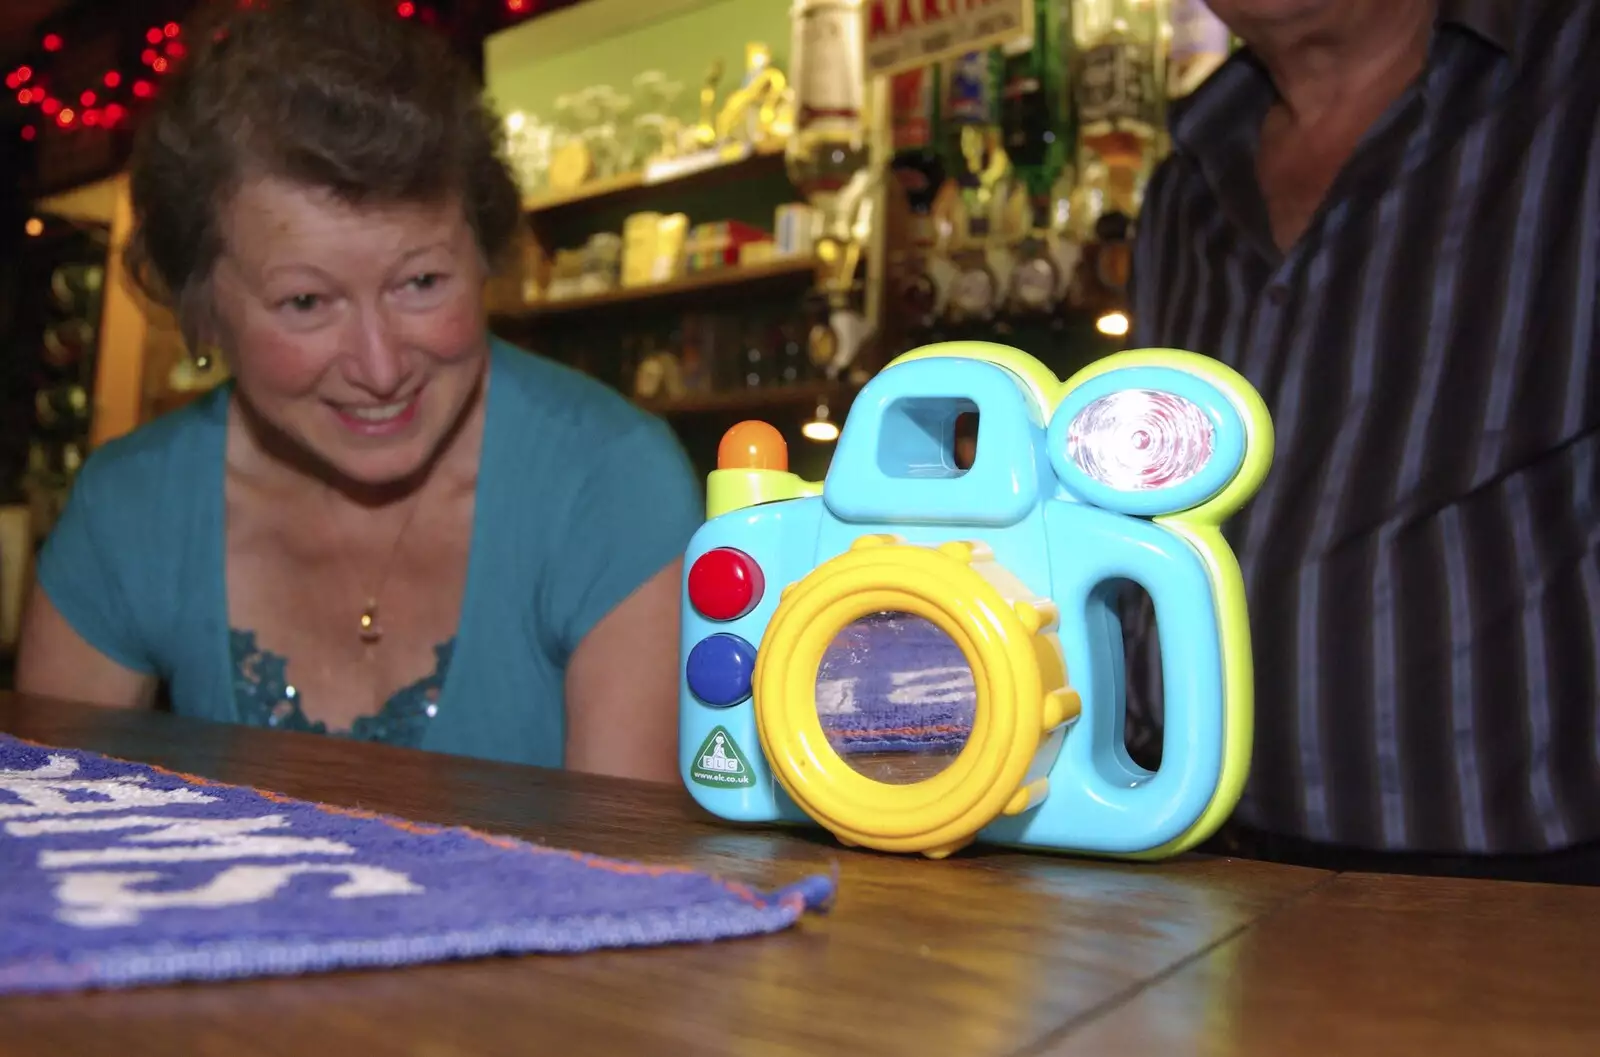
pixel 632 512
pixel 85 560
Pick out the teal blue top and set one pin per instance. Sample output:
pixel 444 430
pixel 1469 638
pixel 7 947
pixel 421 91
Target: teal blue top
pixel 581 497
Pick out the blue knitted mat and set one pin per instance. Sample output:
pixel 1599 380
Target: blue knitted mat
pixel 893 682
pixel 115 874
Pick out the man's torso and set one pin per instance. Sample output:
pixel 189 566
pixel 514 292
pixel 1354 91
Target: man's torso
pixel 1423 562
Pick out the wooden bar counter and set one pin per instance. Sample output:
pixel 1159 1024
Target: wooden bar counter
pixel 988 953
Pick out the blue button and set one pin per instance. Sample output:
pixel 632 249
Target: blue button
pixel 719 669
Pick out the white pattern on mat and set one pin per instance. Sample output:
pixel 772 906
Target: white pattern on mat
pixel 932 686
pixel 836 697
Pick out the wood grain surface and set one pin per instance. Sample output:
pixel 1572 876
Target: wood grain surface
pixel 990 952
pixel 1376 965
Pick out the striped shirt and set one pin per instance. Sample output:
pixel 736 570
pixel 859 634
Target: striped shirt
pixel 1423 561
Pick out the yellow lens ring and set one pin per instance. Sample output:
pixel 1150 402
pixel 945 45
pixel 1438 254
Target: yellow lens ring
pixel 814 758
pixel 810 616
pixel 1014 665
pixel 927 815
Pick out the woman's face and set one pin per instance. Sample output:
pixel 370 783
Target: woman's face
pixel 356 331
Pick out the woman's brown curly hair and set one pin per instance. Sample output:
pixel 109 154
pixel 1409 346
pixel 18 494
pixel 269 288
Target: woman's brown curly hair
pixel 340 95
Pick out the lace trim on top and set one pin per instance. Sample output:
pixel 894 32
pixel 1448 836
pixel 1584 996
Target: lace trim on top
pixel 266 698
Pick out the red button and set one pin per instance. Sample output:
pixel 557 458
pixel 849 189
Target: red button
pixel 725 584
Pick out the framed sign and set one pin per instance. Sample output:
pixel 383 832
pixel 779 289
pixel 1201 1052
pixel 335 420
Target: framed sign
pixel 905 34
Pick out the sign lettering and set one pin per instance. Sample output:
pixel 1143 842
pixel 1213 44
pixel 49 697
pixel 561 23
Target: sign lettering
pixel 904 34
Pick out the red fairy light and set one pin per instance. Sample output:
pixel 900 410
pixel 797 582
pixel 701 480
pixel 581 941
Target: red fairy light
pixel 175 49
pixel 160 66
pixel 87 99
pixel 28 132
pixel 113 78
pixel 172 29
pixel 52 42
pixel 143 89
pixel 153 35
pixel 50 107
pixel 91 118
pixel 113 114
pixel 148 56
pixel 23 73
pixel 66 118
pixel 405 9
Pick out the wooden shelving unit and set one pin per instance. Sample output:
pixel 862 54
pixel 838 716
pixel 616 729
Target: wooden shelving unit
pixel 690 287
pixel 682 173
pixel 706 187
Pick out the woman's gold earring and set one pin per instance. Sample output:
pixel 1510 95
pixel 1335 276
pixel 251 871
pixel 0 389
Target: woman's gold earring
pixel 205 356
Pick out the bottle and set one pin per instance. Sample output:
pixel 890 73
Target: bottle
pixel 828 160
pixel 1037 121
pixel 970 114
pixel 1027 117
pixel 794 368
pixel 1036 281
pixel 913 100
pixel 1120 112
pixel 759 365
pixel 916 164
pixel 978 162
pixel 919 172
pixel 829 145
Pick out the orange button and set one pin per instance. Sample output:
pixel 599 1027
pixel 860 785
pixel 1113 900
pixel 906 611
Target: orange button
pixel 753 445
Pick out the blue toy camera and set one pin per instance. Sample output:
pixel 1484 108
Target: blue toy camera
pixel 923 650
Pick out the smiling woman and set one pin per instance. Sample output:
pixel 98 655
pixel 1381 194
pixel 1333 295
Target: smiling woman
pixel 389 525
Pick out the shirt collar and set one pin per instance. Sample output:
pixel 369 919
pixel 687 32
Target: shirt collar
pixel 1497 21
pixel 1232 98
pixel 1227 105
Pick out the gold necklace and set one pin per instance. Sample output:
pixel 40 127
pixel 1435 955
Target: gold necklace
pixel 368 628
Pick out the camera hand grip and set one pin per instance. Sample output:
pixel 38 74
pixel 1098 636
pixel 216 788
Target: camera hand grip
pixel 1138 811
pixel 1156 449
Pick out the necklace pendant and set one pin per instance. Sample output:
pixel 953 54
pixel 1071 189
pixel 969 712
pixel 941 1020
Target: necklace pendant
pixel 370 631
